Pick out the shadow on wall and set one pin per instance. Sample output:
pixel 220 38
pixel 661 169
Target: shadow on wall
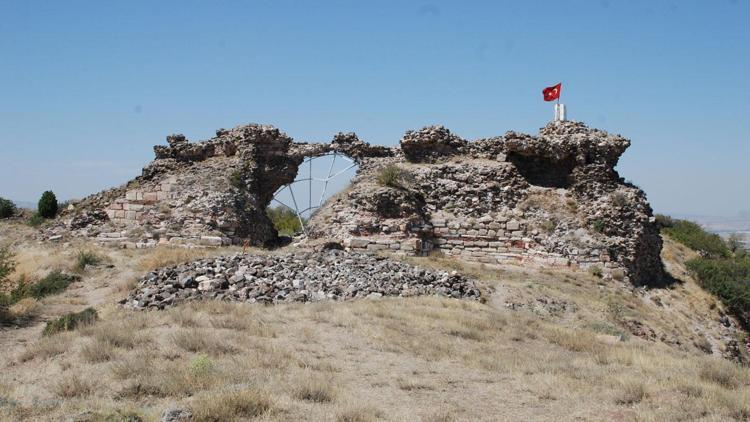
pixel 544 172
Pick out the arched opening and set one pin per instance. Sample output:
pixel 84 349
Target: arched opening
pixel 318 178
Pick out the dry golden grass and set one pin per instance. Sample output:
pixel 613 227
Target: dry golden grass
pixel 231 405
pixel 358 414
pixel 429 359
pixel 73 385
pixel 25 309
pixel 98 351
pixel 47 347
pixel 314 387
pixel 198 340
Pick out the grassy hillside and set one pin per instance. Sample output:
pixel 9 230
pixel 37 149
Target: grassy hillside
pixel 721 270
pixel 546 344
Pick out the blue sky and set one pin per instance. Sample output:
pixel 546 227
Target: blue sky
pixel 88 87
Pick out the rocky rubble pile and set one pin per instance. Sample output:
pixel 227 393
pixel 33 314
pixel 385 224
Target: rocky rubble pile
pixel 294 277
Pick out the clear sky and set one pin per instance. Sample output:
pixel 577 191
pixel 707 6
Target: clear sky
pixel 88 87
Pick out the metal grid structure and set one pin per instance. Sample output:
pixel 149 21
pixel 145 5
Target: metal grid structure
pixel 310 179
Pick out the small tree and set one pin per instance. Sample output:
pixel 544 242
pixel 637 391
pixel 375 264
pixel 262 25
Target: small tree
pixel 7 208
pixel 7 265
pixel 47 207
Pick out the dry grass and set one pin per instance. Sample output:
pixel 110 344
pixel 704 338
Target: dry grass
pixel 429 359
pixel 25 309
pixel 46 348
pixel 231 405
pixel 73 386
pixel 358 414
pixel 98 351
pixel 631 392
pixel 202 341
pixel 315 388
pixel 725 374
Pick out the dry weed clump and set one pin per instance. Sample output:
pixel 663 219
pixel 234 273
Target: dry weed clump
pixel 358 414
pixel 46 347
pixel 97 351
pixel 631 392
pixel 73 385
pixel 228 405
pixel 725 374
pixel 197 340
pixel 314 388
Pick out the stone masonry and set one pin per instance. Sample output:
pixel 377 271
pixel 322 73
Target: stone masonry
pixel 553 198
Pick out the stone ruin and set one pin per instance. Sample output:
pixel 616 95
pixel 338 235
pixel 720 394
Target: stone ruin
pixel 554 198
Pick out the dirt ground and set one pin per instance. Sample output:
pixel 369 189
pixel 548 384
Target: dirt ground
pixel 546 344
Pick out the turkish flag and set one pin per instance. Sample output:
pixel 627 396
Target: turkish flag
pixel 551 93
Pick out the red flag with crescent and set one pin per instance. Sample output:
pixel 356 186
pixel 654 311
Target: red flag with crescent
pixel 551 93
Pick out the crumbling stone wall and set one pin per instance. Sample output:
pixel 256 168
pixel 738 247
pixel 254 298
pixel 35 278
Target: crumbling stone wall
pixel 553 198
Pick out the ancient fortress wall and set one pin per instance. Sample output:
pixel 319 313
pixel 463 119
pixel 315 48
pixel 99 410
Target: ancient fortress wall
pixel 554 198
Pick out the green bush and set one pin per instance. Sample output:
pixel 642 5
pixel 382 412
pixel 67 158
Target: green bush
pixel 35 220
pixel 7 208
pixel 598 226
pixel 727 278
pixel 47 207
pixel 285 220
pixel 84 258
pixel 694 237
pixel 53 283
pixel 663 221
pixel 71 321
pixel 391 176
pixel 7 265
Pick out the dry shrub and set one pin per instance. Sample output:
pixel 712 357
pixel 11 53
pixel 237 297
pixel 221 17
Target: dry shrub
pixel 149 376
pixel 573 340
pixel 133 366
pixel 97 352
pixel 203 341
pixel 631 392
pixel 725 374
pixel 412 385
pixel 314 388
pixel 46 347
pixel 24 309
pixel 359 414
pixel 231 405
pixel 184 317
pixel 120 335
pixel 73 386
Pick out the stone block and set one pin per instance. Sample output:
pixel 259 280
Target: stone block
pixel 120 214
pixel 211 240
pixel 376 247
pixel 357 243
pixel 131 195
pixel 130 215
pixel 513 225
pixel 150 197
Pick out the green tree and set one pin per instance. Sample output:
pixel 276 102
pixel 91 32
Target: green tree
pixel 7 265
pixel 7 208
pixel 47 206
